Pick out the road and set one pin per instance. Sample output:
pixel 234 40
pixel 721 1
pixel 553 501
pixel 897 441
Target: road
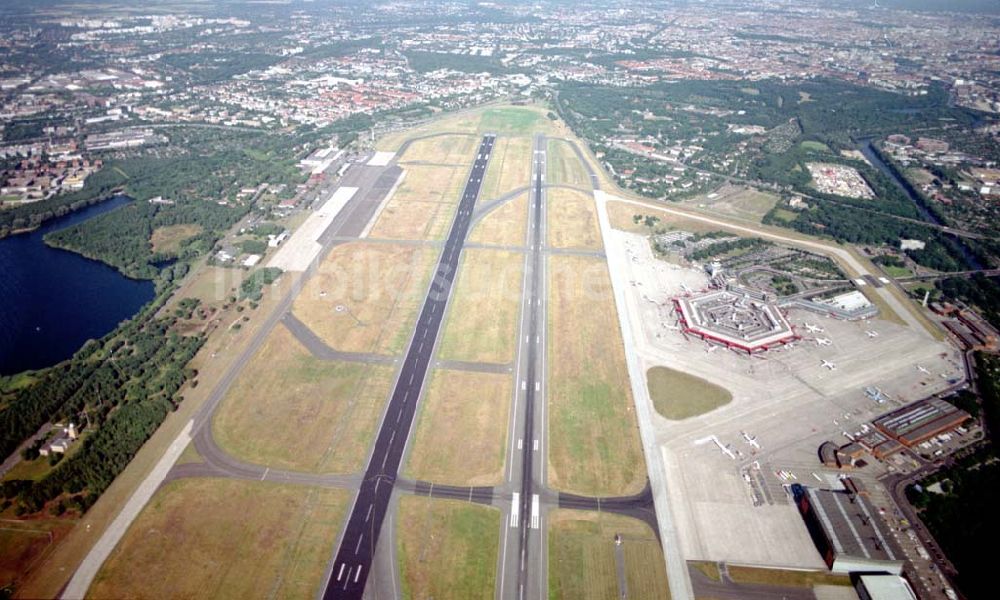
pixel 353 559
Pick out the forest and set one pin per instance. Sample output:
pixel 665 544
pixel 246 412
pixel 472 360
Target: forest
pixel 117 389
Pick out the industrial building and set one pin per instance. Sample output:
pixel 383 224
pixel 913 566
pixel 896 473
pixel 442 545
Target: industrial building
pixel 847 530
pixel 884 587
pixel 735 317
pixel 921 421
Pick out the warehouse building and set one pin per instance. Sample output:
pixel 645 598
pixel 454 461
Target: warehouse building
pixel 847 530
pixel 921 421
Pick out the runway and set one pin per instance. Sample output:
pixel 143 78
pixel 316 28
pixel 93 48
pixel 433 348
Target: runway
pixel 354 557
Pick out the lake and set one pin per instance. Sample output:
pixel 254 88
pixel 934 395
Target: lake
pixel 52 301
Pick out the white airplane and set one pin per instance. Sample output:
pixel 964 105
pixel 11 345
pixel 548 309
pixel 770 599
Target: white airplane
pixel 750 439
pixel 814 328
pixel 829 365
pixel 824 341
pixel 686 288
pixel 872 333
pixel 711 349
pixel 725 449
pixel 923 370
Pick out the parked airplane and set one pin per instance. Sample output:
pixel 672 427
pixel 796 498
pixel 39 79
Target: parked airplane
pixel 829 365
pixel 872 333
pixel 824 341
pixel 725 449
pixel 923 370
pixel 814 328
pixel 686 288
pixel 750 439
pixel 711 349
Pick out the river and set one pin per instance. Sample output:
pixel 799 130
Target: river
pixel 865 145
pixel 52 301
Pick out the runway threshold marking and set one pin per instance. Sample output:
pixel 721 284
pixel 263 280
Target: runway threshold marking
pixel 515 509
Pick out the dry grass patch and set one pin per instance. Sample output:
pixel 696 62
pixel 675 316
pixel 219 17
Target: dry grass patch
pixel 582 563
pixel 622 217
pixel 505 226
pixel 290 410
pixel 168 239
pixel 24 545
pixel 424 205
pixel 482 318
pixel 740 202
pixel 509 168
pixel 594 444
pixel 444 149
pixel 447 549
pixel 380 286
pixel 461 433
pixel 571 220
pixel 210 538
pixel 563 166
pixel 677 395
pixel 808 579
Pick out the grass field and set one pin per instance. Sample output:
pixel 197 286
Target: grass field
pixel 594 438
pixel 168 239
pixel 815 146
pixel 582 563
pixel 481 322
pixel 212 284
pixel 216 355
pixel 290 410
pixel 501 119
pixel 621 217
pixel 738 202
pixel 509 168
pixel 707 568
pixel 25 544
pixel 461 432
pixel 423 205
pixel 571 220
pixel 201 538
pixel 563 166
pixel 446 149
pixel 505 225
pixel 447 549
pixel 786 578
pixel 380 286
pixel 896 272
pixel 678 395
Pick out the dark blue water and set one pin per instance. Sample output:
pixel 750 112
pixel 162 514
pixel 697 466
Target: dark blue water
pixel 52 301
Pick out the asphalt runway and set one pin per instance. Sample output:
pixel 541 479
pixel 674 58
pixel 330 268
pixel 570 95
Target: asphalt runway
pixel 354 557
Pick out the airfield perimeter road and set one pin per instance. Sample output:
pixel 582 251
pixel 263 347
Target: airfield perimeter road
pixel 357 545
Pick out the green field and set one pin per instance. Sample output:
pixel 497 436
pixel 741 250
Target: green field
pixel 678 396
pixel 512 120
pixel 582 562
pixel 815 146
pixel 897 272
pixel 763 576
pixel 447 548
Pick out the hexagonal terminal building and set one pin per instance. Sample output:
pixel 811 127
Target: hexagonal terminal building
pixel 736 318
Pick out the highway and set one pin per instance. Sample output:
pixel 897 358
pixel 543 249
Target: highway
pixel 354 557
